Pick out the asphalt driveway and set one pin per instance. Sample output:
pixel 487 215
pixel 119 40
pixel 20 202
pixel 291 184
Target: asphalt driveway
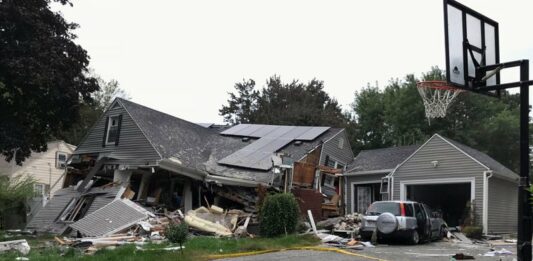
pixel 434 251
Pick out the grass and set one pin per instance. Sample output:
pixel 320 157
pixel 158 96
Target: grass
pixel 195 249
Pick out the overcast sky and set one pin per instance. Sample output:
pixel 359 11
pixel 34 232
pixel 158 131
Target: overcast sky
pixel 182 57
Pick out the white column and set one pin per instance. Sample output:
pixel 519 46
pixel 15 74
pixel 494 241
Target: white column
pixel 187 196
pixel 122 177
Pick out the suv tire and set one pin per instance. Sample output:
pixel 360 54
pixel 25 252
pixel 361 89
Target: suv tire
pixel 414 238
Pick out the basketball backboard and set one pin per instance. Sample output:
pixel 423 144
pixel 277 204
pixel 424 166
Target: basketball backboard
pixel 471 40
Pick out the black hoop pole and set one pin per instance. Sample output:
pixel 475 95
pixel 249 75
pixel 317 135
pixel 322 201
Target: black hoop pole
pixel 524 206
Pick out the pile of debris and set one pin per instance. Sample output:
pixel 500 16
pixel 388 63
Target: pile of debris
pixel 125 222
pixel 347 223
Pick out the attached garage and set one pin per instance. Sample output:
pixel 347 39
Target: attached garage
pixel 446 175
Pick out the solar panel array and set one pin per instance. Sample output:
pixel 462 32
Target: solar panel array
pixel 271 138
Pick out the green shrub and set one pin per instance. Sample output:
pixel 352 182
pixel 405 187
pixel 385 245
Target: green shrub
pixel 177 233
pixel 473 232
pixel 279 215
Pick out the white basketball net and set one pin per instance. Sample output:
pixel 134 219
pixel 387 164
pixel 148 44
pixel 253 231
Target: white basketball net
pixel 437 97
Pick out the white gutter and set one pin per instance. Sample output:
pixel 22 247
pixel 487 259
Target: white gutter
pixel 486 176
pixel 174 165
pixel 232 181
pixel 368 172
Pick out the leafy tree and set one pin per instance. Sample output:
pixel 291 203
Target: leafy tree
pixel 279 215
pixel 43 74
pixel 395 116
pixel 369 108
pixel 14 193
pixel 177 233
pixel 241 106
pixel 281 103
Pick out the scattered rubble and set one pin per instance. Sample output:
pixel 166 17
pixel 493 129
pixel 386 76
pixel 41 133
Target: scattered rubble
pixel 501 252
pixel 21 246
pixel 124 222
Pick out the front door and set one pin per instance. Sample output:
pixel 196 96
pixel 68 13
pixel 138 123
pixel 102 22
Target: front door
pixel 364 198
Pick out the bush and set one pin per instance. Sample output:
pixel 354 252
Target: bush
pixel 279 215
pixel 177 233
pixel 473 232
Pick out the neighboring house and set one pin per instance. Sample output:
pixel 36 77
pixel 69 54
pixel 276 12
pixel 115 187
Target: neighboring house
pixel 168 161
pixel 443 173
pixel 47 168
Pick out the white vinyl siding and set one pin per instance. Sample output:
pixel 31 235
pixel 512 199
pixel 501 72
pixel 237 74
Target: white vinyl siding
pixel 43 166
pixel 503 206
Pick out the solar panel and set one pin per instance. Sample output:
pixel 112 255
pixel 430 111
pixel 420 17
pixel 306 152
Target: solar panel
pixel 313 133
pixel 251 129
pixel 264 131
pixel 296 132
pixel 256 154
pixel 235 129
pixel 271 139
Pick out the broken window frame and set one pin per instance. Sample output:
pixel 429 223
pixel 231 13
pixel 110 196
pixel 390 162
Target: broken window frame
pixel 329 181
pixel 76 209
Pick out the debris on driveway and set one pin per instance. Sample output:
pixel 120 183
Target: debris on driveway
pixel 461 256
pixel 501 252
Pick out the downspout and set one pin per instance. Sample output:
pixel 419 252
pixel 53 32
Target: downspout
pixel 346 195
pixel 486 176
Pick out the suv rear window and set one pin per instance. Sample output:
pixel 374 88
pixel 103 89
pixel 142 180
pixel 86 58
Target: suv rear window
pixel 381 207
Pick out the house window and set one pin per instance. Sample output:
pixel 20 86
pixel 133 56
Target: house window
pixel 339 165
pixel 112 130
pixel 61 160
pixel 341 144
pixel 329 181
pixel 40 189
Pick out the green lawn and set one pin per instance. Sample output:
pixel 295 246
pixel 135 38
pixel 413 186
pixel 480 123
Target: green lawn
pixel 195 249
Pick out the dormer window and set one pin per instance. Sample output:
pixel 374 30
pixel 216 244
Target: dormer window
pixel 112 130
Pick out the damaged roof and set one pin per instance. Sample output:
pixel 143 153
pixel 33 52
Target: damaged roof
pixel 47 218
pixel 169 135
pixel 384 159
pixel 199 148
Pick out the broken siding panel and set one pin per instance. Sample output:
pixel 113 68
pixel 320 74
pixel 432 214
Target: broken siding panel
pixel 331 148
pixel 502 207
pixel 451 164
pixel 350 180
pixel 116 216
pixel 44 220
pixel 133 144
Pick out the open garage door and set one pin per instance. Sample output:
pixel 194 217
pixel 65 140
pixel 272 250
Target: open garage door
pixel 450 199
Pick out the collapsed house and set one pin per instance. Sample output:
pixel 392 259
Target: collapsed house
pixel 164 163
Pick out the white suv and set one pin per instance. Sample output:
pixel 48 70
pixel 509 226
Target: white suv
pixel 405 219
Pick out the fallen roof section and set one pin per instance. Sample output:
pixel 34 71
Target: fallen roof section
pixel 110 219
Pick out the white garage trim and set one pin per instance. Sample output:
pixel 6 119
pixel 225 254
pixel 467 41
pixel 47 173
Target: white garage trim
pixel 472 181
pixel 359 183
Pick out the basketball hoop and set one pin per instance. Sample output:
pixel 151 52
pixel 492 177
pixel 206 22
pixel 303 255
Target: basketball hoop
pixel 437 97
